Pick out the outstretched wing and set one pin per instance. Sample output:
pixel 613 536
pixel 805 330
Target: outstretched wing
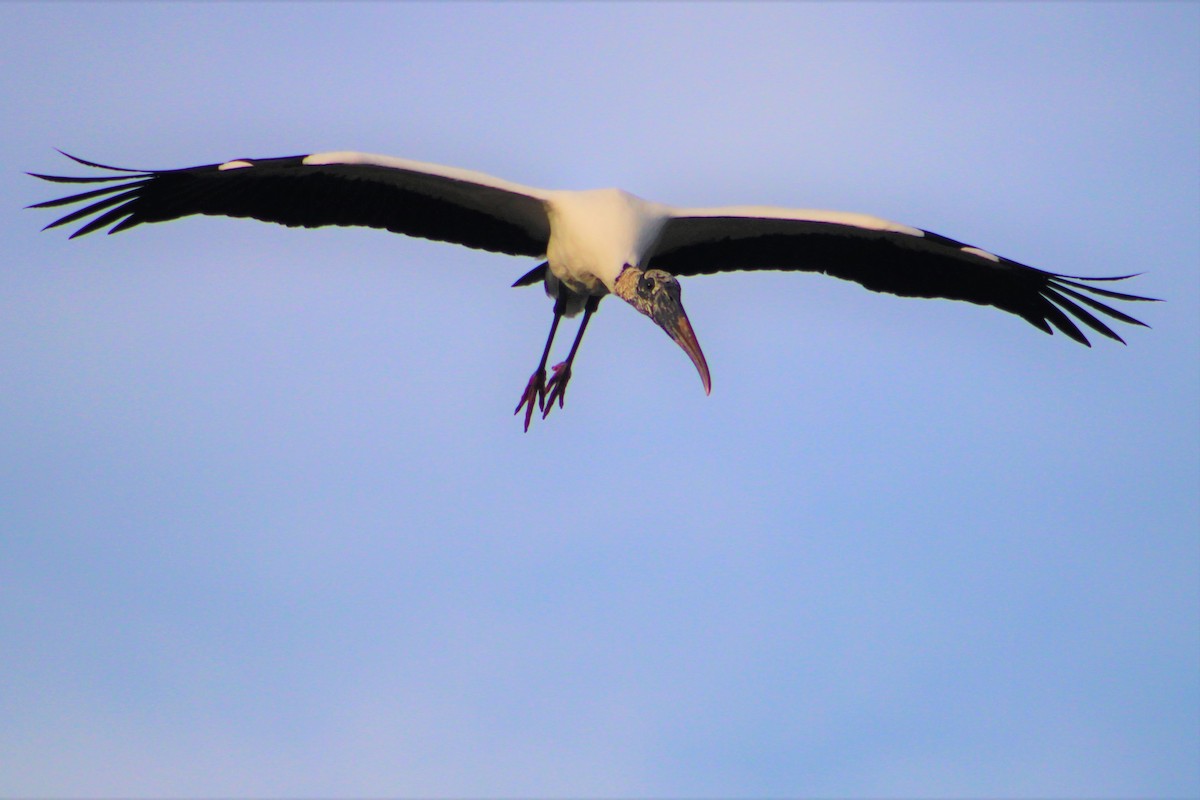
pixel 410 197
pixel 884 257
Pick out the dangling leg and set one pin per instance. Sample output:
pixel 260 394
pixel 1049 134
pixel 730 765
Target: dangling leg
pixel 556 389
pixel 535 390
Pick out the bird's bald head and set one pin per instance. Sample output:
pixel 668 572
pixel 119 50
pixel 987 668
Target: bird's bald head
pixel 656 294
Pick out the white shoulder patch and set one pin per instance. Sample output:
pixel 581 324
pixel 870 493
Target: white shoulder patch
pixel 975 251
pixel 864 221
pixel 239 164
pixel 348 157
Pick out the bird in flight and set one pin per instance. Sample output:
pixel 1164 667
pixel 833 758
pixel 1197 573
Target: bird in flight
pixel 591 243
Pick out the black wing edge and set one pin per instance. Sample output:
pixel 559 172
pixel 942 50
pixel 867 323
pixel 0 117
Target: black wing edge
pixel 122 195
pixel 331 194
pixel 1054 303
pixel 1046 300
pixel 1059 295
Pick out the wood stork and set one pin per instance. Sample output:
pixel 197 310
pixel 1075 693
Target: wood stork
pixel 593 242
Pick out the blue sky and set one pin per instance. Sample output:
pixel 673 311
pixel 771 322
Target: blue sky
pixel 268 527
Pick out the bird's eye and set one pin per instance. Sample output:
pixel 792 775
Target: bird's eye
pixel 645 286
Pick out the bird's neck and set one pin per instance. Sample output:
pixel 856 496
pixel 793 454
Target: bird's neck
pixel 626 283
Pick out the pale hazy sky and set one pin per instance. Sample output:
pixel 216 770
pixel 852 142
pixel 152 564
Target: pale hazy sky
pixel 268 527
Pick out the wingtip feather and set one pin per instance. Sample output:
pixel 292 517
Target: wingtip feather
pixel 87 163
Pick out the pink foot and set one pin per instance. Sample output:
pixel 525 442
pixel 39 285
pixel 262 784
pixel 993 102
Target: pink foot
pixel 535 392
pixel 556 389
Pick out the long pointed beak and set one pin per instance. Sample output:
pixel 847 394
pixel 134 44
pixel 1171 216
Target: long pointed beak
pixel 676 324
